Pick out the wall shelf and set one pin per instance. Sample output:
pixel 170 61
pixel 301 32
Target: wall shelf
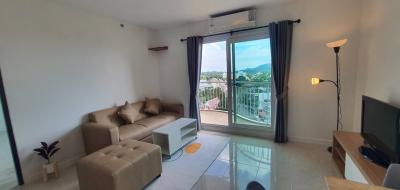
pixel 161 48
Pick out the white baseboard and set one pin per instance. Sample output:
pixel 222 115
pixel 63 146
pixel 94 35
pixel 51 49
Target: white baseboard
pixel 268 135
pixel 310 140
pixel 37 176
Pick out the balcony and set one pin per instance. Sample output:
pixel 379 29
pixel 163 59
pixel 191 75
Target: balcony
pixel 252 102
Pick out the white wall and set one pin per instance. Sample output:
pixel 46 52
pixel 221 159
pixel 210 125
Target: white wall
pixel 59 63
pixel 379 58
pixel 312 112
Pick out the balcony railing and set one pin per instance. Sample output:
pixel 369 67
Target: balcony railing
pixel 253 100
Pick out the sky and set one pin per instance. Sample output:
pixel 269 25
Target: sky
pixel 249 54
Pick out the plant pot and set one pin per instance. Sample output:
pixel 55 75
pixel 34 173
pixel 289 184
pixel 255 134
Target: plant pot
pixel 50 167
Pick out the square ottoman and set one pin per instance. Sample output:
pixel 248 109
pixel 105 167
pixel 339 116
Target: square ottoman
pixel 129 165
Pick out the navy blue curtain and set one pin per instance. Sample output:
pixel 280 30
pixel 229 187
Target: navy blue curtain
pixel 281 47
pixel 194 46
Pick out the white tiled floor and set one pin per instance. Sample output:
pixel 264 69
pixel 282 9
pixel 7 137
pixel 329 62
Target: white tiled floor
pixel 291 166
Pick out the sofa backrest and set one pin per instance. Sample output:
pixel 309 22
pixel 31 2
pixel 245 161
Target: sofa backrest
pixel 109 116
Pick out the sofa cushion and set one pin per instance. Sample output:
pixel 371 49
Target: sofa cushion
pixel 106 117
pixel 128 113
pixel 152 106
pixel 157 121
pixel 133 131
pixel 139 106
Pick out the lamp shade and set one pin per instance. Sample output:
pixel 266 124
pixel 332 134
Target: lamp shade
pixel 338 43
pixel 315 81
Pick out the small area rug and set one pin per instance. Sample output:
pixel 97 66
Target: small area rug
pixel 183 173
pixel 192 148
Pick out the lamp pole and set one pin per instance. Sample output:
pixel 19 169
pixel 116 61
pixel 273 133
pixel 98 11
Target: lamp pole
pixel 338 90
pixel 338 87
pixel 315 81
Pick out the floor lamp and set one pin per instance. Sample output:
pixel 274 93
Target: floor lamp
pixel 315 81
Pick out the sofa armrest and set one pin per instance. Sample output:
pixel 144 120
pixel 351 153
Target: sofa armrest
pixel 97 136
pixel 170 107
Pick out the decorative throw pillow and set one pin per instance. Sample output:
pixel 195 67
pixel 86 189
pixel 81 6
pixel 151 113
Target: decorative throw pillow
pixel 152 106
pixel 128 113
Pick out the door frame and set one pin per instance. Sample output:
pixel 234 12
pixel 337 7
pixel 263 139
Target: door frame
pixel 10 133
pixel 248 130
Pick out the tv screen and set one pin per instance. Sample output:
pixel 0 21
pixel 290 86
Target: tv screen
pixel 380 127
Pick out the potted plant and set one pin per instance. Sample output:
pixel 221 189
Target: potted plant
pixel 47 152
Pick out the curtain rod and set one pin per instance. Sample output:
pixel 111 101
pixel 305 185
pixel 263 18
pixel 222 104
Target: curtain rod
pixel 231 32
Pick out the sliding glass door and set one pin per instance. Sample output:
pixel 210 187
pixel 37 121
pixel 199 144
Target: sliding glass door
pixel 8 176
pixel 10 170
pixel 250 82
pixel 236 81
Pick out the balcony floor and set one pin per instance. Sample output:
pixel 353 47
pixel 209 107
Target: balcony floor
pixel 215 117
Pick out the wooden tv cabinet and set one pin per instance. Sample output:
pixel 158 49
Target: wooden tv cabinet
pixel 351 163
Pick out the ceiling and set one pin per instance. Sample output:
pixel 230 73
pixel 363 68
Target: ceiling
pixel 160 14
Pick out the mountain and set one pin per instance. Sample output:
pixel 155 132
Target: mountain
pixel 261 68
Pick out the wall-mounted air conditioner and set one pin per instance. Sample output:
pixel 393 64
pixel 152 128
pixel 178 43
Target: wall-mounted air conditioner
pixel 235 21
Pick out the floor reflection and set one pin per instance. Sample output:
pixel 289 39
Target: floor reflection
pixel 291 166
pixel 237 165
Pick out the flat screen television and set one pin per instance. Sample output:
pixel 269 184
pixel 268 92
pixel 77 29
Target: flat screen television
pixel 380 130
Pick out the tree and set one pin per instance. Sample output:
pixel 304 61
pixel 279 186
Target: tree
pixel 261 77
pixel 210 93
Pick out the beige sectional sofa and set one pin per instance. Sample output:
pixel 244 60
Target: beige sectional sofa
pixel 106 128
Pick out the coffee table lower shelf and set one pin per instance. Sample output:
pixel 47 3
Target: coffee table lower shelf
pixel 175 135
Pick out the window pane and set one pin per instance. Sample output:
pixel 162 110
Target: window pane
pixel 252 89
pixel 213 91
